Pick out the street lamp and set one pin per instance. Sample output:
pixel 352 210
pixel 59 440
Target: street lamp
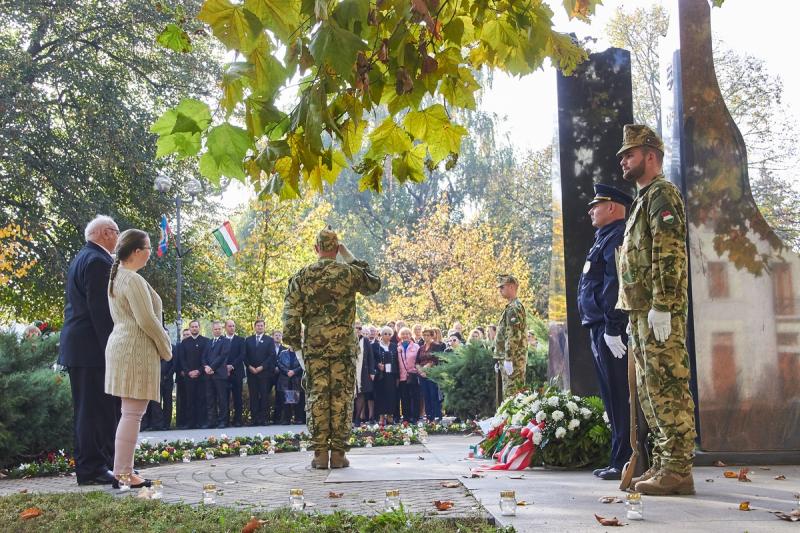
pixel 163 184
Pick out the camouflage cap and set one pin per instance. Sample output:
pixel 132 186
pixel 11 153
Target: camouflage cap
pixel 502 279
pixel 327 240
pixel 634 135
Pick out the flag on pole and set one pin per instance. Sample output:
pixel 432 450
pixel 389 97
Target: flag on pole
pixel 226 238
pixel 164 241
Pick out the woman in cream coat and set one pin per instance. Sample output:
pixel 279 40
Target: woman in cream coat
pixel 135 348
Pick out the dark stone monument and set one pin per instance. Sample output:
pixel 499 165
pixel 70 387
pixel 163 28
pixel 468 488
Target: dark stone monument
pixel 593 106
pixel 744 322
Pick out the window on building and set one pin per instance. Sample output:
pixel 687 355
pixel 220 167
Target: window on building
pixel 782 284
pixel 718 280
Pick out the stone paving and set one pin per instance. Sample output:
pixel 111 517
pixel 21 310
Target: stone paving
pixel 555 500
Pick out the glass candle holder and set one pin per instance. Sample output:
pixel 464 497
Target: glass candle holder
pixel 297 501
pixel 157 490
pixel 420 424
pixel 242 451
pixel 124 482
pixel 392 500
pixel 406 440
pixel 423 435
pixel 187 457
pixel 209 455
pixel 271 449
pixel 633 506
pixel 370 440
pixel 508 503
pixel 209 494
pixel 470 452
pixel 303 446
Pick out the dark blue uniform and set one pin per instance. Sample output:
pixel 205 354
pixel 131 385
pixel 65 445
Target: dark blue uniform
pixel 597 299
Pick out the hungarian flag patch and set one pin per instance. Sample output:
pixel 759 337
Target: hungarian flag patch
pixel 666 217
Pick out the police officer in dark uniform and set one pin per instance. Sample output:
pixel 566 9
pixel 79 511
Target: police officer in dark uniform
pixel 597 299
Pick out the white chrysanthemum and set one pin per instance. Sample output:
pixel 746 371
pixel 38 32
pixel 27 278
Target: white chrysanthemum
pixel 573 424
pixel 541 415
pixel 536 406
pixel 605 417
pixel 537 438
pixel 557 415
pixel 572 406
pixel 560 432
pixel 552 401
pixel 516 420
pixel 576 398
pixel 586 413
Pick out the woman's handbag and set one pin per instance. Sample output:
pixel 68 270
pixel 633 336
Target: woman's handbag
pixel 411 378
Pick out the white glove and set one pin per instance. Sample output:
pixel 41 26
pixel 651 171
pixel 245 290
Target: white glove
pixel 616 345
pixel 509 367
pixel 345 254
pixel 661 324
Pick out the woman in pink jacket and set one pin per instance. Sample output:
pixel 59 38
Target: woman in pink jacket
pixel 408 385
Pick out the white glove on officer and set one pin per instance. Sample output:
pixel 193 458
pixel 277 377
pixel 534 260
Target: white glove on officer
pixel 661 324
pixel 509 367
pixel 615 344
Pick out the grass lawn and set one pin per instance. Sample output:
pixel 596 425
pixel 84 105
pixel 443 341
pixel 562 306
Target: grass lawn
pixel 101 512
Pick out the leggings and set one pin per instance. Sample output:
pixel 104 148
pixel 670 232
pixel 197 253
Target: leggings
pixel 127 434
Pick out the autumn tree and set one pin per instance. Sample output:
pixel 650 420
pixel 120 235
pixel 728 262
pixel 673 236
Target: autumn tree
pixel 276 240
pixel 443 271
pixel 412 60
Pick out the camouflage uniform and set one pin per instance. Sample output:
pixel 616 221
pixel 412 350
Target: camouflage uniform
pixel 322 297
pixel 653 275
pixel 511 343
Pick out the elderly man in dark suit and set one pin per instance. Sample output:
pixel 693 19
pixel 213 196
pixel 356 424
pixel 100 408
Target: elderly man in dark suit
pixel 215 366
pixel 236 371
pixel 260 361
pixel 82 349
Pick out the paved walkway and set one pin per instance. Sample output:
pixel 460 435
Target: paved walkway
pixel 555 500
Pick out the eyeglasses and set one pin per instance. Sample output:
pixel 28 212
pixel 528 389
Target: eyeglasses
pixel 115 230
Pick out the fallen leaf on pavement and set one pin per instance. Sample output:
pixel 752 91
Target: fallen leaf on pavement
pixel 474 475
pixel 780 477
pixel 420 458
pixel 450 484
pixel 744 506
pixel 729 474
pixel 253 524
pixel 610 499
pixel 743 474
pixel 332 494
pixel 516 476
pixel 522 503
pixel 443 505
pixel 765 468
pixel 607 521
pixel 23 491
pixel 709 481
pixel 30 512
pixel 719 463
pixel 794 516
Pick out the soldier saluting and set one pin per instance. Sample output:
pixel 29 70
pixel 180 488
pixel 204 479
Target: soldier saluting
pixel 511 341
pixel 322 297
pixel 653 289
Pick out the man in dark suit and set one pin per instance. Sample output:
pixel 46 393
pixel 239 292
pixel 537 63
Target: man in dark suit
pixel 260 361
pixel 82 347
pixel 181 409
pixel 215 366
pixel 167 383
pixel 191 369
pixel 277 337
pixel 235 370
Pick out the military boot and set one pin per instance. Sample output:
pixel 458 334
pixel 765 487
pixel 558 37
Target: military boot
pixel 320 460
pixel 647 474
pixel 338 460
pixel 665 483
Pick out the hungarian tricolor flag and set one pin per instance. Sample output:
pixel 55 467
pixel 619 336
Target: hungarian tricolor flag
pixel 164 241
pixel 226 238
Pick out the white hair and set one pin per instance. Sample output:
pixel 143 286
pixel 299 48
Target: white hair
pixel 98 223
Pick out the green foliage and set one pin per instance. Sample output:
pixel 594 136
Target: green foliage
pixel 467 380
pixel 416 58
pixel 101 511
pixel 37 404
pixel 81 83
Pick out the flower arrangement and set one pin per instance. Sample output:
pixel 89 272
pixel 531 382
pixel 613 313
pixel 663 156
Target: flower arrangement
pixel 575 432
pixel 153 453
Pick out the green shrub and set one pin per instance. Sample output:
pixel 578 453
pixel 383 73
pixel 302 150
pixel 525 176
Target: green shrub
pixel 466 378
pixel 36 414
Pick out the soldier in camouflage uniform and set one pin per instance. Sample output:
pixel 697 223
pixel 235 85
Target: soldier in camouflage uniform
pixel 653 289
pixel 511 344
pixel 321 297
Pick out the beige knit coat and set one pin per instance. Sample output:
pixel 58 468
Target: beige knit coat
pixel 138 342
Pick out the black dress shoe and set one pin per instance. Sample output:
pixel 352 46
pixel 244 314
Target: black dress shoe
pixel 102 479
pixel 599 471
pixel 222 426
pixel 611 473
pixel 145 483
